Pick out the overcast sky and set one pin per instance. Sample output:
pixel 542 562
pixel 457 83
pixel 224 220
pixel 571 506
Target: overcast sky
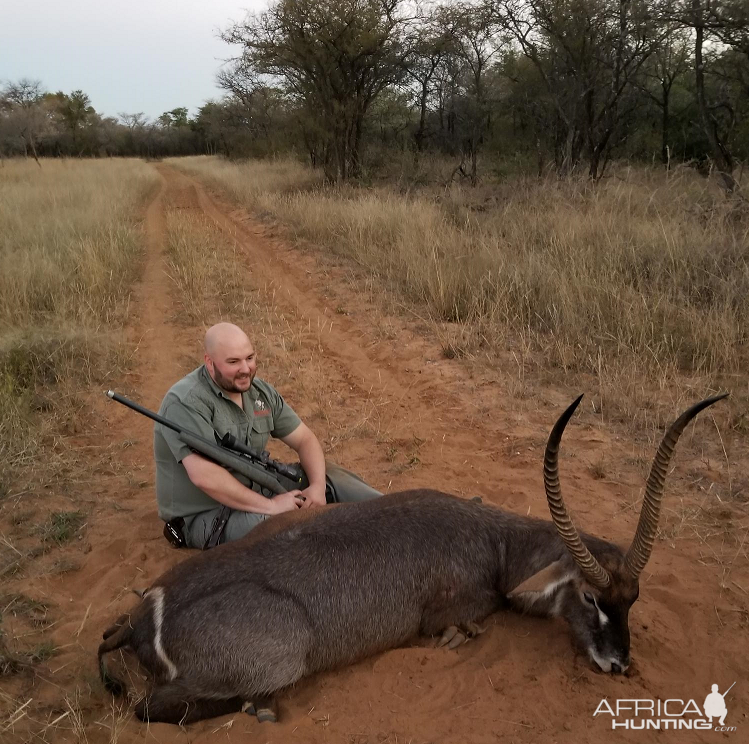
pixel 129 55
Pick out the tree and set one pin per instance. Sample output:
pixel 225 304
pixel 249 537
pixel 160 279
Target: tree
pixel 588 53
pixel 699 18
pixel 136 131
pixel 76 111
pixel 175 118
pixel 25 113
pixel 529 107
pixel 710 21
pixel 335 55
pixel 134 121
pixel 669 62
pixel 731 23
pixel 432 45
pixel 474 32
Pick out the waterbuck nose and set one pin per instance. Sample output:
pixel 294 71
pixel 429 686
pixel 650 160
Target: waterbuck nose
pixel 615 668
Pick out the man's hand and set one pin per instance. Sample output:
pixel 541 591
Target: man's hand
pixel 288 501
pixel 312 460
pixel 313 495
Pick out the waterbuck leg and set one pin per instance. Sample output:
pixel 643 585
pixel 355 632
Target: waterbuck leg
pixel 454 635
pixel 454 610
pixel 169 704
pixel 262 707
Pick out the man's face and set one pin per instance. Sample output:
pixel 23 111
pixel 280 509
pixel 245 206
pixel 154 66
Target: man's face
pixel 233 368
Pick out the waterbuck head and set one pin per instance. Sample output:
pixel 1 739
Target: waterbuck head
pixel 595 592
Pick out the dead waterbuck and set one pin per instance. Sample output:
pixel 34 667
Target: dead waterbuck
pixel 225 630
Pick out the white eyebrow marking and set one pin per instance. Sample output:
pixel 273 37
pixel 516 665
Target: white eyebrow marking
pixel 602 617
pixel 158 620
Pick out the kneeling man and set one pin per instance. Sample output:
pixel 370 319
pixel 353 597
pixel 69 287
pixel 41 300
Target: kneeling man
pixel 224 395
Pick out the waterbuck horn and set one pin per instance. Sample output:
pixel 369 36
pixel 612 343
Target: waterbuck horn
pixel 591 568
pixel 642 545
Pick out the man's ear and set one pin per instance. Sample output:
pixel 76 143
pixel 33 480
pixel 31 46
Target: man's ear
pixel 542 581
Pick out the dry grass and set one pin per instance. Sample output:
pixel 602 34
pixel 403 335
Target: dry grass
pixel 69 251
pixel 641 281
pixel 205 270
pixel 26 721
pixel 252 182
pixel 68 243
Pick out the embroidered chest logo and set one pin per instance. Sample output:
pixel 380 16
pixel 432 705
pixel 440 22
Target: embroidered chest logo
pixel 260 408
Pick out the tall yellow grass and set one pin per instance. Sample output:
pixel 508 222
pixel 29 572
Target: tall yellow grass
pixel 69 250
pixel 254 182
pixel 203 267
pixel 68 240
pixel 642 277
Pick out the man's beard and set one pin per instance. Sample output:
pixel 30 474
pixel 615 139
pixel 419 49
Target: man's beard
pixel 228 385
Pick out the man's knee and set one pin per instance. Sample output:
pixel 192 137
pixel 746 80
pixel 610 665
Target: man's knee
pixel 198 529
pixel 347 486
pixel 240 524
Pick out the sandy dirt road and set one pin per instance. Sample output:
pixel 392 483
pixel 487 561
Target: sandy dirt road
pixel 418 420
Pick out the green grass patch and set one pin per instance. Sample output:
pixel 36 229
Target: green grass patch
pixel 62 527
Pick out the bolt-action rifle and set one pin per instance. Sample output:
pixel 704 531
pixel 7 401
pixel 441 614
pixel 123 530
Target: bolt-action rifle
pixel 259 467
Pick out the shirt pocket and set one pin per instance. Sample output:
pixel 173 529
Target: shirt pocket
pixel 262 426
pixel 227 425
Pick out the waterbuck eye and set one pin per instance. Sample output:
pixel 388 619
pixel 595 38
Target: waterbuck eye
pixel 589 598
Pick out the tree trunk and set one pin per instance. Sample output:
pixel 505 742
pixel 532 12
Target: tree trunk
pixel 721 155
pixel 569 155
pixel 355 149
pixel 474 163
pixel 422 118
pixel 33 150
pixel 595 159
pixel 665 126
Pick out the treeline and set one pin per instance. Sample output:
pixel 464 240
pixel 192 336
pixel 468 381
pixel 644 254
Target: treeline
pixel 564 84
pixel 37 124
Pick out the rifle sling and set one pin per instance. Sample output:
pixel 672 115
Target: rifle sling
pixel 217 528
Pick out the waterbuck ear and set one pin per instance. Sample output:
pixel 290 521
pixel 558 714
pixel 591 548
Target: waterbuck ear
pixel 542 581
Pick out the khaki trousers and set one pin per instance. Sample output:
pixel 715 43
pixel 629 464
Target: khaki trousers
pixel 343 487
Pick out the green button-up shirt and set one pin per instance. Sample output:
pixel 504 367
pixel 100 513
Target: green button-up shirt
pixel 198 404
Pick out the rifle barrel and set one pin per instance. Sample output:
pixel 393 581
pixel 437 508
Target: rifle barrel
pixel 144 411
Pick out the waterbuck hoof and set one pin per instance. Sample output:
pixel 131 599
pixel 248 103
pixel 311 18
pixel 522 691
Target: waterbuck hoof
pixel 449 636
pixel 266 715
pixel 474 629
pixel 264 712
pixel 454 636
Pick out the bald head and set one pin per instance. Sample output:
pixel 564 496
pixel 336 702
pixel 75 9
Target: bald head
pixel 224 336
pixel 230 357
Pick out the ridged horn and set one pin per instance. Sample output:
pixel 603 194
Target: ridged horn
pixel 642 544
pixel 591 568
